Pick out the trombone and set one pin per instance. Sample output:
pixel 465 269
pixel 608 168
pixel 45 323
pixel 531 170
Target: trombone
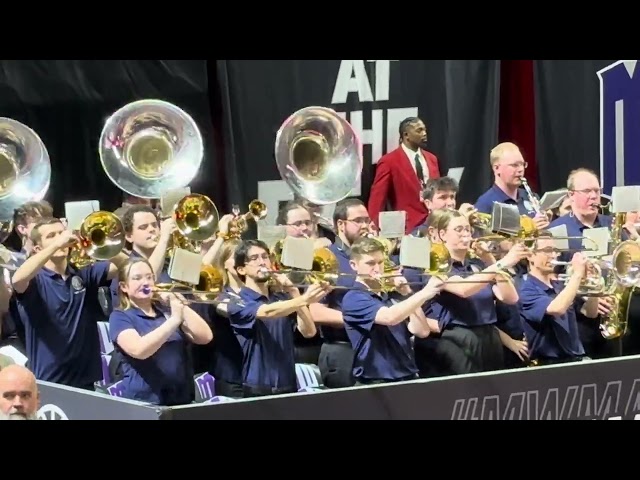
pixel 25 170
pixel 100 237
pixel 210 285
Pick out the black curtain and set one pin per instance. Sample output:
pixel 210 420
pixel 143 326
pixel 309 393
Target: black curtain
pixel 66 102
pixel 567 94
pixel 458 100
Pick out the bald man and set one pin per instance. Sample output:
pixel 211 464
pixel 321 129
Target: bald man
pixel 19 397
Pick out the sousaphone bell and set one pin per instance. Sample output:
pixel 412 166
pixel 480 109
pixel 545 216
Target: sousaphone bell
pixel 319 155
pixel 150 147
pixel 25 170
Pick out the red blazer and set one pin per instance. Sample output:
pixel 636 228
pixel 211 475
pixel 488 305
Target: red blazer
pixel 396 182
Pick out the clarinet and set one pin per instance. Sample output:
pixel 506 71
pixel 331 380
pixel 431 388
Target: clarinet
pixel 532 198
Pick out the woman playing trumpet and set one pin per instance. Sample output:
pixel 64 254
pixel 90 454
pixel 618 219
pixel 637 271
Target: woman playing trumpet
pixel 468 301
pixel 153 335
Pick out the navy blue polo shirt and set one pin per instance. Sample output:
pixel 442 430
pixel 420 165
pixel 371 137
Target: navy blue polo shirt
pixel 164 278
pixel 451 310
pixel 227 354
pixel 381 352
pixel 267 345
pixel 60 320
pixel 548 336
pixel 495 194
pixel 335 297
pixel 508 316
pixel 163 378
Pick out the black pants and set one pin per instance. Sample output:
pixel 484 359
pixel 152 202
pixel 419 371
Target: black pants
pixel 252 392
pixel 308 354
pixel 227 389
pixel 491 349
pixel 336 365
pixel 455 351
pixel 595 345
pixel 369 382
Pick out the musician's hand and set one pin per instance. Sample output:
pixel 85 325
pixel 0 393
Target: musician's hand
pixel 541 221
pixel 283 281
pixel 433 325
pixel 315 293
pixel 467 209
pixel 605 304
pixel 321 242
pixel 631 220
pixel 224 223
pixel 517 252
pixel 167 227
pixel 66 239
pixel 176 302
pixel 434 285
pixel 520 348
pixel 579 264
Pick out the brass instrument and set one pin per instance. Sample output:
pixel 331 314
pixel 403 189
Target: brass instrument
pixel 620 280
pixel 480 221
pixel 149 147
pixel 209 287
pixel 196 217
pixel 319 155
pixel 440 266
pixel 100 237
pixel 25 170
pixel 257 211
pixel 592 284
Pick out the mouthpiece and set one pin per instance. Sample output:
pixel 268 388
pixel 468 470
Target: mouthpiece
pixel 146 289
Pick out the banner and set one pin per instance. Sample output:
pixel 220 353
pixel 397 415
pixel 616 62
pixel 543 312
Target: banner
pixel 568 126
pixel 59 402
pixel 458 101
pixel 593 390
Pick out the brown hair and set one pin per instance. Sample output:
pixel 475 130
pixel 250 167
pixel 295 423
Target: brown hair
pixel 445 218
pixel 129 214
pixel 365 246
pixel 124 303
pixel 227 251
pixel 36 237
pixel 30 212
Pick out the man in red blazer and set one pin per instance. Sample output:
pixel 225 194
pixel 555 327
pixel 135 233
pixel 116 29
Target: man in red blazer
pixel 402 174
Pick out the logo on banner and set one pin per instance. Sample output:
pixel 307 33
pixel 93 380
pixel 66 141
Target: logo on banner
pixel 353 79
pixel 619 125
pixel 51 412
pixel 576 402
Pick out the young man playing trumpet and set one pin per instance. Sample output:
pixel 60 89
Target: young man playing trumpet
pixel 59 307
pixel 379 330
pixel 549 308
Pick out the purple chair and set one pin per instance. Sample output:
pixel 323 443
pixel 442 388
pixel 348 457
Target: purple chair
pixel 115 390
pixel 220 399
pixel 106 346
pixel 308 377
pixel 205 387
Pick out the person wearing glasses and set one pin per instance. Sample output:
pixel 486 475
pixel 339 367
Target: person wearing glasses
pixel 584 192
pixel 351 221
pixel 508 168
pixel 297 220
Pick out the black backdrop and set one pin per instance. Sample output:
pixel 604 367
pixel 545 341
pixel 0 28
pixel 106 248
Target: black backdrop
pixel 567 94
pixel 66 102
pixel 239 105
pixel 458 101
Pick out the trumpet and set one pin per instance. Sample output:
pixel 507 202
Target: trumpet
pixel 257 211
pixel 210 285
pixel 593 282
pixel 100 237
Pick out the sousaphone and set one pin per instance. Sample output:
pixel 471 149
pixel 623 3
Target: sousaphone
pixel 25 170
pixel 319 155
pixel 150 147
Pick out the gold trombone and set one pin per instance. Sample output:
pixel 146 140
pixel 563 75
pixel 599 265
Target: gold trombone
pixel 209 287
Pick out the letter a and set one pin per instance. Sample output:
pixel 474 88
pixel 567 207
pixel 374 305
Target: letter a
pixel 352 77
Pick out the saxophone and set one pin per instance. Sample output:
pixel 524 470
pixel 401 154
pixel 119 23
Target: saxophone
pixel 614 325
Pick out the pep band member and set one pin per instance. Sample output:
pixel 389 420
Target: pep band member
pixel 471 304
pixel 153 338
pixel 59 306
pixel 549 308
pixel 265 320
pixel 351 221
pixel 380 331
